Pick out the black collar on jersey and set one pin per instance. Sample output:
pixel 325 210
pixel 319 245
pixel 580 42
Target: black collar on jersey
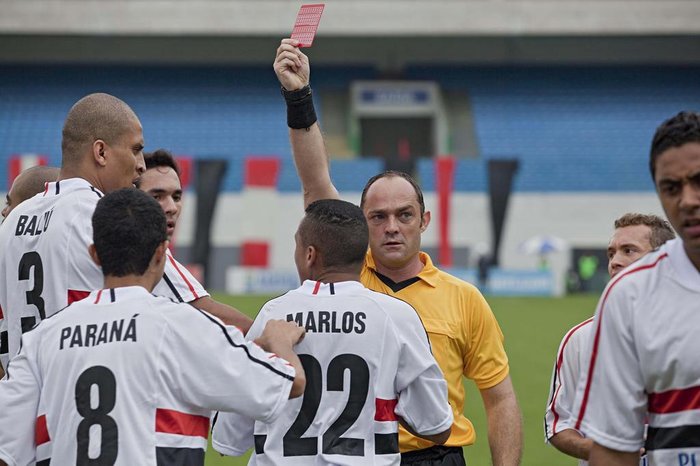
pixel 396 287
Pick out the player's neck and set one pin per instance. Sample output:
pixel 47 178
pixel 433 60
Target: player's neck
pixel 69 172
pixel 144 281
pixel 337 277
pixel 693 255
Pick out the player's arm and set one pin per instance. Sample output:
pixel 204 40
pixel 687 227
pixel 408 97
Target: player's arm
pixel 572 443
pixel 279 337
pixel 309 151
pixel 438 439
pixel 228 315
pixel 504 423
pixel 423 408
pixel 602 456
pixel 558 416
pixel 223 359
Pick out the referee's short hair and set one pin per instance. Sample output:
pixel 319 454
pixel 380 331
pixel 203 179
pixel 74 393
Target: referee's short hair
pixel 338 230
pixel 127 227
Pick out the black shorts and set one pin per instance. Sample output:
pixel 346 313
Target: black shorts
pixel 434 456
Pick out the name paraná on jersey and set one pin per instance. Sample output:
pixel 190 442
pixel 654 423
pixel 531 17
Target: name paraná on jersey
pixel 367 360
pixel 146 370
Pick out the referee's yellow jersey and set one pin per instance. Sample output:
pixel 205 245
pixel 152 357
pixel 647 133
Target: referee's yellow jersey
pixel 464 336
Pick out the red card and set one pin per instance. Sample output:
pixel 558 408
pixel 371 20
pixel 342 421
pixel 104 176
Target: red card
pixel 307 23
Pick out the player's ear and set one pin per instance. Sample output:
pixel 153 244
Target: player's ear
pixel 99 147
pixel 425 221
pixel 311 256
pixel 93 254
pixel 159 254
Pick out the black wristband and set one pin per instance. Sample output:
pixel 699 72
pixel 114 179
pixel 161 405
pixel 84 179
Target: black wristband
pixel 300 108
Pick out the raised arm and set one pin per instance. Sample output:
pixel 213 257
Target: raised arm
pixel 309 151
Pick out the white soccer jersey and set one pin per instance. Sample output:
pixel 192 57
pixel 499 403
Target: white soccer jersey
pixel 178 283
pixel 644 361
pixel 367 359
pixel 571 358
pixel 45 263
pixel 126 378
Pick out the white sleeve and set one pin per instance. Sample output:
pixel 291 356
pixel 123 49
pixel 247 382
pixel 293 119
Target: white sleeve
pixel 423 402
pixel 178 283
pixel 562 389
pixel 19 401
pixel 610 401
pixel 232 433
pixel 215 368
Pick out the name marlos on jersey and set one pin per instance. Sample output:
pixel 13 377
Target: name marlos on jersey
pixel 87 335
pixel 330 321
pixel 33 225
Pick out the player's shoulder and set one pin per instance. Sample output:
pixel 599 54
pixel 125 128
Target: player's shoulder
pixel 281 303
pixel 577 334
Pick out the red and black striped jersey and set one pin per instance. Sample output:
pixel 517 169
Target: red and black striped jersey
pixel 124 377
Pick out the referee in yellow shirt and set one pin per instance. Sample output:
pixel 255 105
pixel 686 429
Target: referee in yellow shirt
pixel 465 337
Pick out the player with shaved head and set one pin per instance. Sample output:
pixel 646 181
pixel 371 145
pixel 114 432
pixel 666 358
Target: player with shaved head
pixel 45 265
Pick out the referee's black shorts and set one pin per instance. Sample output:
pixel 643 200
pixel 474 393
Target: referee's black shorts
pixel 434 456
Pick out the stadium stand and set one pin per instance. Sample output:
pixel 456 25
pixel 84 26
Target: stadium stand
pixel 574 128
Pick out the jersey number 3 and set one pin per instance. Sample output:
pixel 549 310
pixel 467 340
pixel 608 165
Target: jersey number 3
pixel 31 262
pixel 333 443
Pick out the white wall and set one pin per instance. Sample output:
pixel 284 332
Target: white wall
pixel 583 219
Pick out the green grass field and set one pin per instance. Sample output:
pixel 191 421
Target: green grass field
pixel 533 328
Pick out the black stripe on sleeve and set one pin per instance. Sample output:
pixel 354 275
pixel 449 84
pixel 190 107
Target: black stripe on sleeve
pixel 659 438
pixel 259 444
pixel 213 422
pixel 169 456
pixel 386 444
pixel 551 398
pixel 172 288
pixel 244 347
pixel 4 347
